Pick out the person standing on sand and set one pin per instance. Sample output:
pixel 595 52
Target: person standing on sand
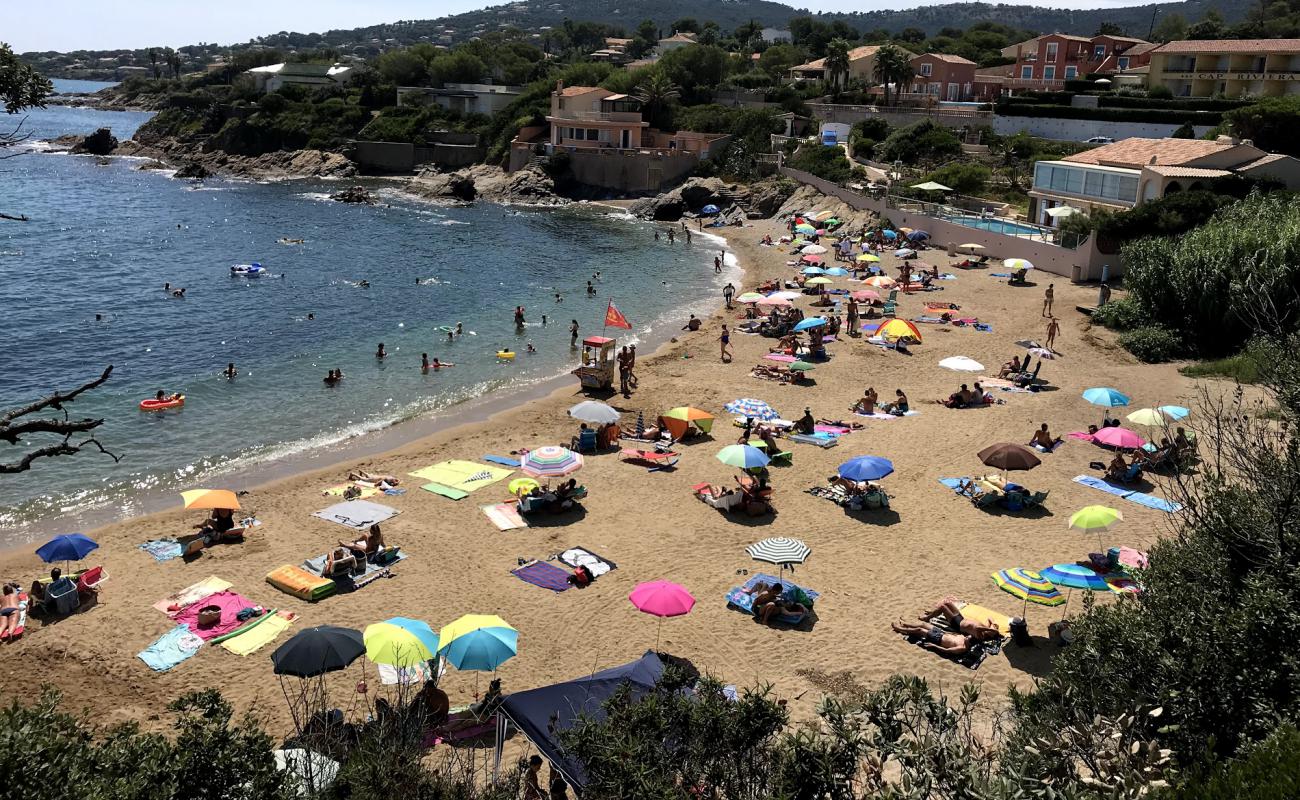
pixel 688 233
pixel 725 339
pixel 853 317
pixel 1053 328
pixel 1048 297
pixel 573 334
pixel 631 366
pixel 532 784
pixel 717 265
pixel 623 372
pixel 728 292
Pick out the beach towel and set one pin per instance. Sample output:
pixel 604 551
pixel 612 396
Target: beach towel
pixel 1141 498
pixel 740 598
pixel 414 675
pixel 356 514
pixel 540 573
pixel 1083 435
pixel 505 516
pixel 316 566
pixel 170 649
pixel 503 461
pixel 582 557
pixel 953 483
pixel 445 491
pixel 230 604
pixel 363 491
pixel 984 615
pixel 174 604
pixel 464 476
pixel 833 430
pixel 781 357
pixel 823 440
pixel 1056 445
pixel 300 583
pixel 883 415
pixel 999 274
pixel 268 627
pixel 163 549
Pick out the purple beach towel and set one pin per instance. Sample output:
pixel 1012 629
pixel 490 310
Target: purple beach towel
pixel 540 573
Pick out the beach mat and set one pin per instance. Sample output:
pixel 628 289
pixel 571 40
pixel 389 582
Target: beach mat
pixel 503 461
pixel 356 514
pixel 540 573
pixel 268 627
pixel 981 614
pixel 445 491
pixel 316 566
pixel 300 583
pixel 163 549
pixel 1141 498
pixel 582 557
pixel 170 649
pixel 884 416
pixel 505 516
pixel 820 441
pixel 740 599
pixel 230 604
pixel 365 491
pixel 194 592
pixel 465 476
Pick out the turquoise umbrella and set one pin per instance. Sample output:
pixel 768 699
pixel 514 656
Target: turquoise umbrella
pixel 1106 396
pixel 1075 576
pixel 743 456
pixel 483 649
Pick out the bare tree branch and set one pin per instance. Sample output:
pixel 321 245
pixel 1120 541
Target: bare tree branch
pixel 14 426
pixel 55 400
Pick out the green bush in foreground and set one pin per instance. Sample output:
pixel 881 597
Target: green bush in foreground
pixel 1269 770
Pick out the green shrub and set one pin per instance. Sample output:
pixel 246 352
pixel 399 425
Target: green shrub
pixel 1160 93
pixel 1151 344
pixel 824 162
pixel 924 141
pixel 1266 771
pixel 965 178
pixel 1242 368
pixel 1120 315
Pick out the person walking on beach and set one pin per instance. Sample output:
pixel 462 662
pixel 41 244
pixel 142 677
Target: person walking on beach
pixel 573 334
pixel 1053 328
pixel 728 292
pixel 725 339
pixel 1048 297
pixel 623 372
pixel 717 265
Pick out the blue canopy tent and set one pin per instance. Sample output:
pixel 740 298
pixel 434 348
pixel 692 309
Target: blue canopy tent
pixel 540 713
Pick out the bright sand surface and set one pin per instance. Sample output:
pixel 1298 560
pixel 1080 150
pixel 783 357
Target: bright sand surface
pixel 871 568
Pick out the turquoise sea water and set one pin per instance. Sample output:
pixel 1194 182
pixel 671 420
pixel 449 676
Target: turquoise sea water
pixel 104 238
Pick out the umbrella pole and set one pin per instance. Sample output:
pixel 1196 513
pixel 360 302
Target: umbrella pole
pixel 1068 594
pixel 658 630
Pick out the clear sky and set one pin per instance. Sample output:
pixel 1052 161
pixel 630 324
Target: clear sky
pixel 99 25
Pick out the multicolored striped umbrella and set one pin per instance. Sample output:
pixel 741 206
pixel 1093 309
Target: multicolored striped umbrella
pixel 1076 576
pixel 1029 586
pixel 551 461
pixel 680 418
pixel 749 407
pixel 896 329
pixel 749 297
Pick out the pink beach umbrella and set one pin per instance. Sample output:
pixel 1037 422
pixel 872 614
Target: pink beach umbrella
pixel 1122 438
pixel 864 295
pixel 774 301
pixel 661 599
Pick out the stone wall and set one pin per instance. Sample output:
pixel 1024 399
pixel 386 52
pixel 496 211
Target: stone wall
pixel 630 171
pixel 1077 130
pixel 897 117
pixel 457 150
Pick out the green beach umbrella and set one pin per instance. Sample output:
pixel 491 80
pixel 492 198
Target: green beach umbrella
pixel 801 366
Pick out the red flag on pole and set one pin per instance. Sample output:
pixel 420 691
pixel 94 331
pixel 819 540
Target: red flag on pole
pixel 615 319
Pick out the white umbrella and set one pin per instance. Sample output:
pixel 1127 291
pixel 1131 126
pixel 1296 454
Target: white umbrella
pixel 931 186
pixel 962 364
pixel 594 411
pixel 310 771
pixel 785 295
pixel 1062 211
pixel 812 250
pixel 779 550
pixel 1017 263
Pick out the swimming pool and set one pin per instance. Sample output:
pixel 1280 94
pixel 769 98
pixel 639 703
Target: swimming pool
pixel 996 225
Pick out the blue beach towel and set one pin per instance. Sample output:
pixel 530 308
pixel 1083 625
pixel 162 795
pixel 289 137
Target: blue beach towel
pixel 999 274
pixel 740 599
pixel 1141 498
pixel 953 483
pixel 1098 483
pixel 163 549
pixel 502 460
pixel 540 573
pixel 173 647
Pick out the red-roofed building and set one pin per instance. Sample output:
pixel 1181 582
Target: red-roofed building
pixel 1230 67
pixel 943 76
pixel 1046 62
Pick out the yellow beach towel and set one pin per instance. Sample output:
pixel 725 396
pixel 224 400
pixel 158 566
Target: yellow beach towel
pixel 173 605
pixel 463 475
pixel 256 637
pixel 337 491
pixel 983 615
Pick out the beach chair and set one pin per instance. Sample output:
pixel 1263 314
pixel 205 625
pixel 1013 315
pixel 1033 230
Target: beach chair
pixel 985 499
pixel 1035 500
pixel 61 598
pixel 891 304
pixel 88 582
pixel 585 441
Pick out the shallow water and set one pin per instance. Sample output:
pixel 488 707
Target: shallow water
pixel 104 238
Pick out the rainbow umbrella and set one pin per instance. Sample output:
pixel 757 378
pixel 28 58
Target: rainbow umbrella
pixel 896 329
pixel 1029 586
pixel 680 418
pixel 661 599
pixel 749 297
pixel 743 456
pixel 1122 438
pixel 400 642
pixel 805 229
pixel 1075 576
pixel 480 642
pixel 550 461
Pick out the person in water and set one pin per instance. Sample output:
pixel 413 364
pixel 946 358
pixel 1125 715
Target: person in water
pixel 230 371
pixel 381 352
pixel 332 378
pixel 311 315
pixel 531 349
pixel 424 361
pixel 460 328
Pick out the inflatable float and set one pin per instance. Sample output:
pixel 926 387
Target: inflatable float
pixel 154 404
pixel 505 354
pixel 253 270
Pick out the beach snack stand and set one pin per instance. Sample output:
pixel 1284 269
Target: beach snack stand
pixel 597 369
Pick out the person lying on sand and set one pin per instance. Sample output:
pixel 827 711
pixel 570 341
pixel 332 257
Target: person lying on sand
pixel 361 476
pixel 985 630
pixel 9 611
pixel 839 423
pixel 936 638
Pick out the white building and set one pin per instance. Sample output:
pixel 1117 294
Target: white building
pixel 273 77
pixel 467 98
pixel 775 35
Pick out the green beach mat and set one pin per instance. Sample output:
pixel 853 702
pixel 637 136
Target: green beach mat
pixel 445 491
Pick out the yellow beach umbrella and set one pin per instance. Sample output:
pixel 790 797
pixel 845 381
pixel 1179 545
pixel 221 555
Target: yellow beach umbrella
pixel 210 498
pixel 868 258
pixel 400 642
pixel 1095 518
pixel 897 329
pixel 817 281
pixel 467 625
pixel 1152 417
pixel 520 486
pixel 1017 263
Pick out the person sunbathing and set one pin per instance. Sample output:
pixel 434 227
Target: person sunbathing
pixel 839 423
pixel 340 560
pixel 371 542
pixel 1118 468
pixel 769 440
pixel 9 611
pixel 957 399
pixel 373 479
pixel 936 638
pixel 1043 439
pixel 866 405
pixel 220 527
pixel 806 424
pixel 1011 367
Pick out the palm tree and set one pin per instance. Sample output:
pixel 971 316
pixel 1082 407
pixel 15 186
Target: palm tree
pixel 837 61
pixel 656 91
pixel 892 66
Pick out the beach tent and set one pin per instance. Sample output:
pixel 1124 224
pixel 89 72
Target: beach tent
pixel 541 713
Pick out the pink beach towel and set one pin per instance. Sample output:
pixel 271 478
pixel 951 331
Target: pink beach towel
pixel 784 359
pixel 837 430
pixel 1087 437
pixel 229 603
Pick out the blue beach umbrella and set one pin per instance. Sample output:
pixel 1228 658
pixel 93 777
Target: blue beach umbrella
pixel 814 271
pixel 1106 396
pixel 749 407
pixel 1075 576
pixel 482 649
pixel 918 236
pixel 866 468
pixel 837 272
pixel 709 209
pixel 810 322
pixel 1174 412
pixel 888 234
pixel 66 547
pixel 743 456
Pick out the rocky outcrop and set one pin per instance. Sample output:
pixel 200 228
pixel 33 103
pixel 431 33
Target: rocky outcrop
pixel 767 196
pixel 100 143
pixel 193 171
pixel 278 165
pixel 488 183
pixel 354 194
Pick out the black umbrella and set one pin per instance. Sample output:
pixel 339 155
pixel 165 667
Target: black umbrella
pixel 316 651
pixel 1006 456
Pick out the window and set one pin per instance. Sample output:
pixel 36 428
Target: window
pixel 1098 52
pixel 1051 51
pixel 1026 72
pixel 1071 71
pixel 1049 73
pixel 592 134
pixel 927 70
pixel 1123 62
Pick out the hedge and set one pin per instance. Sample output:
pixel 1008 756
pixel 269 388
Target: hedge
pixel 1171 117
pixel 1179 103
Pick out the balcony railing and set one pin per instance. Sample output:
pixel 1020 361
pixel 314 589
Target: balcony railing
pixel 599 116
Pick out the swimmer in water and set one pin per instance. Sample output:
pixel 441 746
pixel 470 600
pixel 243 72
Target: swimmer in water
pixel 531 349
pixel 363 284
pixel 451 336
pixel 460 328
pixel 99 317
pixel 311 316
pixel 424 362
pixel 230 371
pixel 381 352
pixel 543 319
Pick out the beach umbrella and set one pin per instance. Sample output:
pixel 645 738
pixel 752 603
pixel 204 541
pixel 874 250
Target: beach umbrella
pixel 817 281
pixel 812 259
pixel 551 461
pixel 812 250
pixel 594 411
pixel 931 186
pixel 749 297
pixel 709 209
pixel 918 236
pixel 904 252
pixel 961 364
pixel 400 642
pixel 785 294
pixel 813 271
pixel 779 550
pixel 880 282
pixel 1008 457
pixel 1106 397
pixel 823 216
pixel 896 329
pixel 680 418
pixel 805 228
pixel 1042 352
pixel 749 407
pixel 640 424
pixel 772 300
pixel 1122 438
pixel 821 231
pixel 480 642
pixel 888 234
pixel 309 772
pixel 743 456
pixel 1028 586
pixel 810 322
pixel 838 272
pixel 1174 412
pixel 831 222
pixel 1155 417
pixel 210 498
pixel 971 246
pixel 868 258
pixel 1075 576
pixel 864 295
pixel 661 599
pixel 520 486
pixel 1017 263
pixel 801 366
pixel 1094 518
pixel 866 468
pixel 316 651
pixel 66 547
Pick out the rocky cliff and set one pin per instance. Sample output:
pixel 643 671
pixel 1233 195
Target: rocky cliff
pixel 284 164
pixel 488 183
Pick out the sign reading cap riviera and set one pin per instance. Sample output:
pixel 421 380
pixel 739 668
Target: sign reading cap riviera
pixel 1236 76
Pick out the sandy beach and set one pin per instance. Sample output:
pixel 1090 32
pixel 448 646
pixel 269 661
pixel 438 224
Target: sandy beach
pixel 871 568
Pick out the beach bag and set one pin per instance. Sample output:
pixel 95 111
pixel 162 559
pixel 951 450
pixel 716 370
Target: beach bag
pixel 209 616
pixel 581 577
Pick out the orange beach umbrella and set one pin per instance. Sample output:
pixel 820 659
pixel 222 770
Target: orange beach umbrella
pixel 679 419
pixel 896 329
pixel 210 498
